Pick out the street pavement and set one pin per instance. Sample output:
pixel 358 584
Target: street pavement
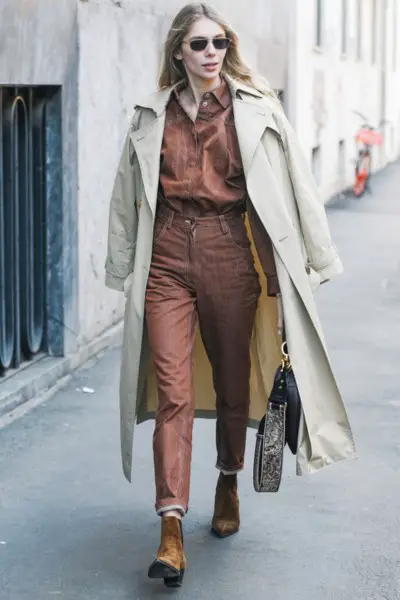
pixel 72 528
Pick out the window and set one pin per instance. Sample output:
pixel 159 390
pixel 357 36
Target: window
pixel 319 23
pixel 316 163
pixel 23 172
pixel 359 29
pixel 344 26
pixel 374 32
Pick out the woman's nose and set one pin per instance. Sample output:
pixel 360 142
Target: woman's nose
pixel 210 50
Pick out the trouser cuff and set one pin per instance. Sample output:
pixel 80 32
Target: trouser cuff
pixel 179 507
pixel 227 471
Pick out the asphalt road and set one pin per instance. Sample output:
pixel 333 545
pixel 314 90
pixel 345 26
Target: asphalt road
pixel 72 528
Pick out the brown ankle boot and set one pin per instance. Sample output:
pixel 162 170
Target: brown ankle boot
pixel 226 519
pixel 170 563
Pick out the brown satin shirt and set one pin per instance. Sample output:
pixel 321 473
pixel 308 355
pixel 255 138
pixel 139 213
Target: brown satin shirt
pixel 201 171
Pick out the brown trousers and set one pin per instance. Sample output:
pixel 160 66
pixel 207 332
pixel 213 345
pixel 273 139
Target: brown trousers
pixel 202 273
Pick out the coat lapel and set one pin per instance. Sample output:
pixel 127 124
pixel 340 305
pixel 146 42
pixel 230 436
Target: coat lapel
pixel 251 121
pixel 147 142
pixel 252 118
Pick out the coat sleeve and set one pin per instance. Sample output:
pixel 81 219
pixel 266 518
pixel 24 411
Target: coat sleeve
pixel 123 217
pixel 321 253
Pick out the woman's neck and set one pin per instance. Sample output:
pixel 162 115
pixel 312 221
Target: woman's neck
pixel 198 87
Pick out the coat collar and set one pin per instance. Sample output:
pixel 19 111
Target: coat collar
pixel 158 101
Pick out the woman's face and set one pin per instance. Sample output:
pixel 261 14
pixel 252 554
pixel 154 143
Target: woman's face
pixel 203 64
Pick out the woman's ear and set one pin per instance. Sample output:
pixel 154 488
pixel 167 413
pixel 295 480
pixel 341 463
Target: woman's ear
pixel 178 56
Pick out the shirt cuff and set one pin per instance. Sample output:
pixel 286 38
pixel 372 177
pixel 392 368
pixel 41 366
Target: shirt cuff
pixel 273 285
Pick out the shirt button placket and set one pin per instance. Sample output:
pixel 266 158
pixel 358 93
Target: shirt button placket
pixel 193 161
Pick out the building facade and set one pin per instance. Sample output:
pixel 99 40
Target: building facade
pixel 70 73
pixel 344 59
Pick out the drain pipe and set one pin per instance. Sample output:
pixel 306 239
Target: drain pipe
pixel 291 99
pixel 383 77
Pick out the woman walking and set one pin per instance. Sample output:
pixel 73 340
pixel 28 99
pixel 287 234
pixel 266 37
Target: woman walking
pixel 209 166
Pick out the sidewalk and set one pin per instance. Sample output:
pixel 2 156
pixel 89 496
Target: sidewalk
pixel 72 528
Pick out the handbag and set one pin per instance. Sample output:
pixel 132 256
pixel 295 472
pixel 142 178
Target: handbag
pixel 280 425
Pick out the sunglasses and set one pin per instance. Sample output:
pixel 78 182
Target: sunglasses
pixel 199 44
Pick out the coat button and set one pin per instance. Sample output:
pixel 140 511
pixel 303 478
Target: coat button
pixel 308 270
pixel 139 203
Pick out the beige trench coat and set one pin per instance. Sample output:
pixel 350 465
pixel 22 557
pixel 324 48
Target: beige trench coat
pixel 286 199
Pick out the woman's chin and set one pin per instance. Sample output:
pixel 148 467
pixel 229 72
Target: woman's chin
pixel 208 76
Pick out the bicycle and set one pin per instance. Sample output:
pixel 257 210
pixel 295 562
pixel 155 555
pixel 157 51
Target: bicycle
pixel 367 136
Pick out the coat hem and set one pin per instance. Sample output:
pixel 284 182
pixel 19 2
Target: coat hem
pixel 317 465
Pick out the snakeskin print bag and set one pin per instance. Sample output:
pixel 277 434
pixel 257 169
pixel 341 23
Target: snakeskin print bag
pixel 279 425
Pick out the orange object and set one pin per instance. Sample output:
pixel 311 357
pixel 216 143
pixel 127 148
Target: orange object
pixel 358 188
pixel 361 179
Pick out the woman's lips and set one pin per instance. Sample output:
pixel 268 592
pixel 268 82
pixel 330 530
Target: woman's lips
pixel 211 66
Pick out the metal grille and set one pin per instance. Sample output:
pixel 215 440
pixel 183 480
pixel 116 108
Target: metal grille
pixel 22 225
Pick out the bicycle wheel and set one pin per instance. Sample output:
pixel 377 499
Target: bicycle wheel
pixel 362 175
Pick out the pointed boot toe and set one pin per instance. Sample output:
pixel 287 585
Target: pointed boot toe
pixel 226 519
pixel 170 562
pixel 223 529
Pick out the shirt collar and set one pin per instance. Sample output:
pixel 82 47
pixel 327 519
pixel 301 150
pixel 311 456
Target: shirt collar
pixel 222 93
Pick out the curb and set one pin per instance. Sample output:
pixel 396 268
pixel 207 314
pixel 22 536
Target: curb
pixel 48 374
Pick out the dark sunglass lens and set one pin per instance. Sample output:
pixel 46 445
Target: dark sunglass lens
pixel 220 43
pixel 198 45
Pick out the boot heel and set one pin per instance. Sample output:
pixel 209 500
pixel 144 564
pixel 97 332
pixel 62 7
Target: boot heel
pixel 170 562
pixel 175 582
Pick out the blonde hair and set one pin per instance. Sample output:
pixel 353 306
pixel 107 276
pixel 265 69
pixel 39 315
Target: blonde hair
pixel 173 71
